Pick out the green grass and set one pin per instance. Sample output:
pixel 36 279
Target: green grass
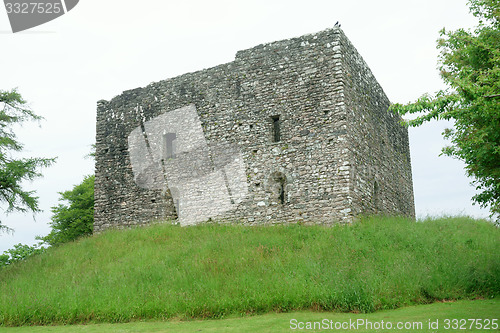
pixel 414 316
pixel 214 271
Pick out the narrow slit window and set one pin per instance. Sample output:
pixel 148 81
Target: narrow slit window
pixel 169 145
pixel 282 191
pixel 376 197
pixel 276 128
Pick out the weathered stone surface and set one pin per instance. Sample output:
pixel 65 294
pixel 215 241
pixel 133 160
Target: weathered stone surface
pixel 339 152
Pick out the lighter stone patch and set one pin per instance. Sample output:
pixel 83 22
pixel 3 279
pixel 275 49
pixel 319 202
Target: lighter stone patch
pixel 208 180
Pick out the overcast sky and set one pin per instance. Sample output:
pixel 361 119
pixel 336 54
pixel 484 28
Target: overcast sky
pixel 102 48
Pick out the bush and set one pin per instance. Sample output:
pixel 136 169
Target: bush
pixel 18 253
pixel 76 219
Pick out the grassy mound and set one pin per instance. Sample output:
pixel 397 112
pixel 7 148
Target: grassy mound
pixel 210 271
pixel 417 319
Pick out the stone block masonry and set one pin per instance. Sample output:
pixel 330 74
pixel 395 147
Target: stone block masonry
pixel 294 130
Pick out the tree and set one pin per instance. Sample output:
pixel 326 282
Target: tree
pixel 72 221
pixel 469 64
pixel 13 171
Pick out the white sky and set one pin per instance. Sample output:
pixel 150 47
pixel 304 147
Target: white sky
pixel 102 48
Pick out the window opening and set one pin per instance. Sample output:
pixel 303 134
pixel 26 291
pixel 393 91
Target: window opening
pixel 169 143
pixel 276 128
pixel 278 188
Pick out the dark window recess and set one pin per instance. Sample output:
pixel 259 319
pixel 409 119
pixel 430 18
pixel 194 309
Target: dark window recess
pixel 276 128
pixel 169 145
pixel 376 197
pixel 277 184
pixel 282 191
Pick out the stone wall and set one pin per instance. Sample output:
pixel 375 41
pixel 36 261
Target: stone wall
pixel 381 179
pixel 336 141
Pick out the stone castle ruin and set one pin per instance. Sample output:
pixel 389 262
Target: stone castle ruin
pixel 291 131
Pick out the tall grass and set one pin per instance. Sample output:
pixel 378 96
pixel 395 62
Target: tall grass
pixel 211 271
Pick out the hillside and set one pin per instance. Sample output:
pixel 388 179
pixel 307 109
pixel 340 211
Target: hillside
pixel 211 271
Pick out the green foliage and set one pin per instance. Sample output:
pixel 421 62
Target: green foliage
pixel 14 171
pixel 4 259
pixel 486 11
pixel 72 221
pixel 483 311
pixel 18 253
pixel 213 271
pixel 470 66
pixel 92 151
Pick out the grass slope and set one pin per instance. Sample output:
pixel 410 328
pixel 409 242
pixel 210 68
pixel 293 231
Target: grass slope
pixel 212 271
pixel 416 318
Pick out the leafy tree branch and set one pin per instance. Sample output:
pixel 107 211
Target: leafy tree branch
pixel 469 64
pixel 13 171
